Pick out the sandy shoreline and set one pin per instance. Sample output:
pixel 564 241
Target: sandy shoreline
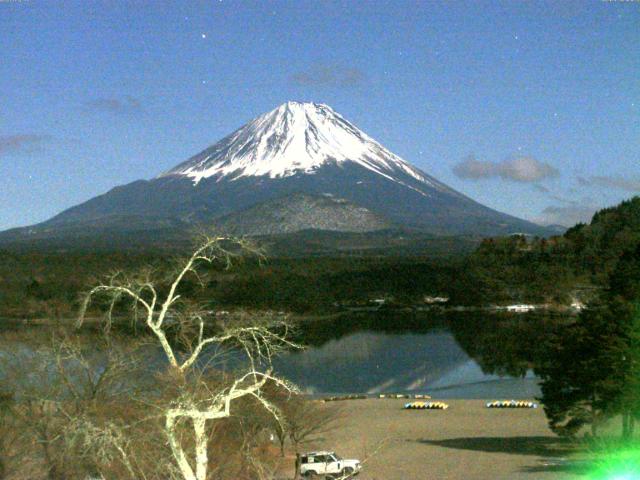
pixel 467 441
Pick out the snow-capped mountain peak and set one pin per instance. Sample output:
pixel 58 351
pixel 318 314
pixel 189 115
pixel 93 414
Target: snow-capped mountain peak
pixel 296 138
pixel 299 167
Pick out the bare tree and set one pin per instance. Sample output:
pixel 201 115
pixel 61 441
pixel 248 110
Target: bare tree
pixel 6 401
pixel 56 387
pixel 308 421
pixel 195 402
pixel 305 421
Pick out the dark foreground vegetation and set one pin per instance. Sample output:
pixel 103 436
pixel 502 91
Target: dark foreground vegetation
pixel 78 405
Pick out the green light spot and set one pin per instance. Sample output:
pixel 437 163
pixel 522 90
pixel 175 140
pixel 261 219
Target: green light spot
pixel 620 465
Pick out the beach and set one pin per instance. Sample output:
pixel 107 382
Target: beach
pixel 467 441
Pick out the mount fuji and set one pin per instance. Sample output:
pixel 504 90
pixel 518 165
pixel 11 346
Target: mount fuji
pixel 301 166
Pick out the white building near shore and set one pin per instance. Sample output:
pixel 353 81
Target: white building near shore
pixel 520 308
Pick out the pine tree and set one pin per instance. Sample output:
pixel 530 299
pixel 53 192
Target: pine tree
pixel 593 370
pixel 624 289
pixel 579 375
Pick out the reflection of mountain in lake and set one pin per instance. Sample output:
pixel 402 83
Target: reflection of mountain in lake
pixel 372 354
pixel 370 362
pixel 468 381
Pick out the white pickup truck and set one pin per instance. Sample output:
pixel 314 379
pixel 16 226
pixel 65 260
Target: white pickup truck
pixel 327 464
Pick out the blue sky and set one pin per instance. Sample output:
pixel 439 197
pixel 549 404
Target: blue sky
pixel 530 108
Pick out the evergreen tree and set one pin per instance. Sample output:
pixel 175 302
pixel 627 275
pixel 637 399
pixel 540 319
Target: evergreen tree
pixel 580 372
pixel 593 369
pixel 624 289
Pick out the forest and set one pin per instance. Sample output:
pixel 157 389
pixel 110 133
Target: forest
pixel 48 284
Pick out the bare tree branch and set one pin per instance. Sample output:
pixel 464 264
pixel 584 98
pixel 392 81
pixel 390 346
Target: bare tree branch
pixel 197 404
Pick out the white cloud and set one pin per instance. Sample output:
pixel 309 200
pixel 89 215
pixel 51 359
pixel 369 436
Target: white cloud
pixel 521 169
pixel 566 215
pixel 22 143
pixel 620 183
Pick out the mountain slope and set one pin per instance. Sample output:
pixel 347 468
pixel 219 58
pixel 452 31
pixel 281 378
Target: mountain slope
pixel 301 212
pixel 296 148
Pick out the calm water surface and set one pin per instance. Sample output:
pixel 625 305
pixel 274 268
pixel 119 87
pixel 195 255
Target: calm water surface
pixel 381 362
pixel 374 355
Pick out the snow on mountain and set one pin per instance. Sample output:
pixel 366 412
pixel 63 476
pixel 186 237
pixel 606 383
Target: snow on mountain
pixel 275 175
pixel 297 138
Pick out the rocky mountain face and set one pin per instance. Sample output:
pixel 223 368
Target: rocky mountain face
pixel 297 212
pixel 301 166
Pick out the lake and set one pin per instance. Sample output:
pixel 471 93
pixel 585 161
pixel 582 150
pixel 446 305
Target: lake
pixel 469 356
pixel 374 363
pixel 370 361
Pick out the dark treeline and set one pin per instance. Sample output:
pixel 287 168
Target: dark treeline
pixel 49 284
pixel 519 268
pixel 502 270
